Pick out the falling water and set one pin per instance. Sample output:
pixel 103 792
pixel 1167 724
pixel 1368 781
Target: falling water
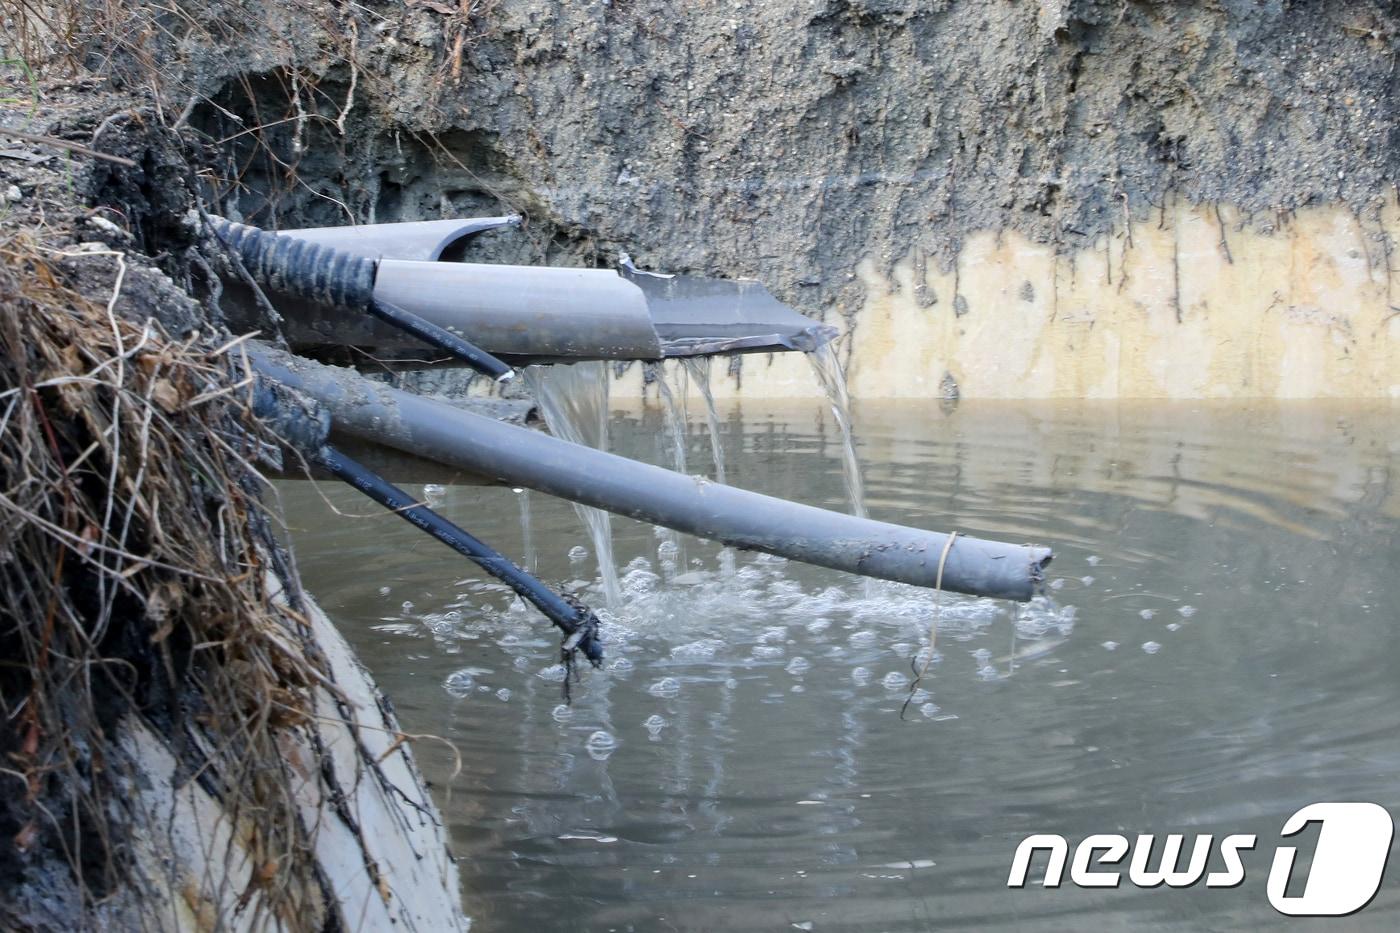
pixel 699 369
pixel 527 537
pixel 674 401
pixel 833 380
pixel 574 402
pixel 675 418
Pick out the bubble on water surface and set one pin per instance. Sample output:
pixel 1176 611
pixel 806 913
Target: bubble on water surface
pixel 1110 646
pixel 620 666
pixel 578 553
pixel 562 713
pixel 861 675
pixel 894 680
pixel 503 694
pixel 1186 611
pixel 554 673
pixel 665 688
pixel 798 666
pixel 600 745
pixel 459 683
pixel 1147 613
pixel 1093 560
pixel 1151 647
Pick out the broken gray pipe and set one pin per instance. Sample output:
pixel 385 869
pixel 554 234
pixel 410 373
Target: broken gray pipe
pixel 523 457
pixel 542 314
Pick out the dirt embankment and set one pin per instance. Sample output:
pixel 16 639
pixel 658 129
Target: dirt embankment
pixel 791 139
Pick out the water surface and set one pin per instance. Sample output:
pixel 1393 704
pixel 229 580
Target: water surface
pixel 1221 649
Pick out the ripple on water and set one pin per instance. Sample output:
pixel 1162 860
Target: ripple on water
pixel 718 747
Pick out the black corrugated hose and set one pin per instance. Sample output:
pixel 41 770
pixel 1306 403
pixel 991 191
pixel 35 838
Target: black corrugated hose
pixel 339 279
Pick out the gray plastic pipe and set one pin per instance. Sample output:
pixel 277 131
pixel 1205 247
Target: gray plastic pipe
pixel 516 311
pixel 424 240
pixel 523 457
pixel 548 313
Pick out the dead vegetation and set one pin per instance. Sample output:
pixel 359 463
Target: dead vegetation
pixel 136 584
pixel 141 587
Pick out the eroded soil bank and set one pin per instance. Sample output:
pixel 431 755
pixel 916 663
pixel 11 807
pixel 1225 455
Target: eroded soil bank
pixel 1091 183
pixel 995 199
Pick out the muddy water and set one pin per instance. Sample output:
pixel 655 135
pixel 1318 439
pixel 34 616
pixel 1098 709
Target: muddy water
pixel 1222 649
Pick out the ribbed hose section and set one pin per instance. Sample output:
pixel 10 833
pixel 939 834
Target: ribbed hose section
pixel 286 264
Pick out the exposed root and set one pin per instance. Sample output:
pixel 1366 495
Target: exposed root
pixel 138 583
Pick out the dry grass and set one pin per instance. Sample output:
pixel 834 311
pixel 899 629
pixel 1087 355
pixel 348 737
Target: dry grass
pixel 135 575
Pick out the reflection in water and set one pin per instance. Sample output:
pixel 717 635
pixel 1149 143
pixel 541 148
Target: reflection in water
pixel 1220 652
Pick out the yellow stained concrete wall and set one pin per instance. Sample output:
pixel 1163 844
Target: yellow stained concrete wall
pixel 1193 302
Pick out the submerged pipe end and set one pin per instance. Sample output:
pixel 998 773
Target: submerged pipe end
pixel 1040 559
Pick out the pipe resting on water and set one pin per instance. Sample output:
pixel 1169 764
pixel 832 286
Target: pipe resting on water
pixel 301 423
pixel 524 457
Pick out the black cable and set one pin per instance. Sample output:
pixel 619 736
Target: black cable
pixel 579 624
pixel 425 330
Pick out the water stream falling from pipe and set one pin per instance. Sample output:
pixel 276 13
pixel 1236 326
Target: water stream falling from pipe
pixel 832 378
pixel 699 369
pixel 574 402
pixel 527 536
pixel 674 402
pixel 675 419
